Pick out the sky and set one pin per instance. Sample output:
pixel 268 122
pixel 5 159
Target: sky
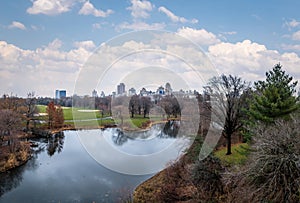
pixel 46 44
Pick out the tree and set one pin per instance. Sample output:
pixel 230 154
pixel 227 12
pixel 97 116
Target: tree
pixel 55 115
pixel 10 122
pixel 30 104
pixel 227 91
pixel 51 114
pixel 274 98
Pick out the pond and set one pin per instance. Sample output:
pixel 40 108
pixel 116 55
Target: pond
pixel 63 169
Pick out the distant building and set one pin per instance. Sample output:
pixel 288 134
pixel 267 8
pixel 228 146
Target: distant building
pixel 59 94
pixel 168 89
pixel 94 93
pixel 121 89
pixel 160 90
pixel 144 92
pixel 131 91
pixel 102 94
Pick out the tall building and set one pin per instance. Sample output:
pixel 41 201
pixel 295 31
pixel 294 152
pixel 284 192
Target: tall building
pixel 121 89
pixel 168 89
pixel 59 94
pixel 131 91
pixel 94 93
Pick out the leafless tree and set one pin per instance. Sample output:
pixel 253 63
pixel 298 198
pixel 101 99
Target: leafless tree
pixel 10 123
pixel 30 105
pixel 226 99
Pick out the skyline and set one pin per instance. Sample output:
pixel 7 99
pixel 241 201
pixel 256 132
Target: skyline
pixel 44 44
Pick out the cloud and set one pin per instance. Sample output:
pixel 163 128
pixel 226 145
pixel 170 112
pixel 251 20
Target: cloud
pixel 141 26
pixel 51 7
pixel 251 60
pixel 140 9
pixel 291 24
pixel 296 36
pixel 200 37
pixel 41 70
pixel 89 9
pixel 18 25
pixel 88 45
pixel 291 47
pixel 175 18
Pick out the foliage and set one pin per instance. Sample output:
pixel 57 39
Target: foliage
pixel 55 116
pixel 238 157
pixel 274 169
pixel 274 96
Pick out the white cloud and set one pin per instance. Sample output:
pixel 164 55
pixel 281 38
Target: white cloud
pixel 296 36
pixel 201 37
pixel 251 60
pixel 175 18
pixel 51 7
pixel 18 25
pixel 291 24
pixel 41 70
pixel 89 9
pixel 141 26
pixel 293 47
pixel 140 8
pixel 88 45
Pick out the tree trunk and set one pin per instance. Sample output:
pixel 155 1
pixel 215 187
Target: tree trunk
pixel 27 124
pixel 228 144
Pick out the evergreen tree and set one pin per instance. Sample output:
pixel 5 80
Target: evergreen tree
pixel 274 98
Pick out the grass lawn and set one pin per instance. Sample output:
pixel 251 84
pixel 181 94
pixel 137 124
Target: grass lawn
pixel 82 118
pixel 238 157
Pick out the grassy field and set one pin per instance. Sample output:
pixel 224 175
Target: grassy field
pixel 87 118
pixel 238 156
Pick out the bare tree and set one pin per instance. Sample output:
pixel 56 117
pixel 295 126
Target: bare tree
pixel 227 91
pixel 10 122
pixel 31 109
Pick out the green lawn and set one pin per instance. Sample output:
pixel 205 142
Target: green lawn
pixel 82 118
pixel 238 156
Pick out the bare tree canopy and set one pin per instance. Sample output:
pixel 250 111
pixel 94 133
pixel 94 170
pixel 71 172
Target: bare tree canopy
pixel 227 92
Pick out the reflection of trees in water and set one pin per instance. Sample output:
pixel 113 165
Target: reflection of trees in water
pixel 118 136
pixel 169 130
pixel 52 144
pixel 13 178
pixel 55 144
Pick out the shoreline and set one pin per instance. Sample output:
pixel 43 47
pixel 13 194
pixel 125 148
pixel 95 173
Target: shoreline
pixel 50 132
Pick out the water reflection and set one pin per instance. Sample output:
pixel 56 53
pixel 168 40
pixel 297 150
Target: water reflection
pixel 13 178
pixel 52 145
pixel 168 130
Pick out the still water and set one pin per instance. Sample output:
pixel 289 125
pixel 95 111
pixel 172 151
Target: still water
pixel 62 170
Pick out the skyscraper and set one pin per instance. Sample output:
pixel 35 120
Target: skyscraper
pixel 121 89
pixel 59 94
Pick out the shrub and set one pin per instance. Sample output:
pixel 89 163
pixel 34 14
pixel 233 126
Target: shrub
pixel 275 168
pixel 206 175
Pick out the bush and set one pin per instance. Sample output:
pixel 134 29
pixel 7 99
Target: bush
pixel 206 176
pixel 275 168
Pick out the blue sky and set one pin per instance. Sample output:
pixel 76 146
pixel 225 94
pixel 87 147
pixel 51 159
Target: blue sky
pixel 45 43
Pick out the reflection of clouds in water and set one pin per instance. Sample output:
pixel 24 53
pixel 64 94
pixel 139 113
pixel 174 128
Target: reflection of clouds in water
pixel 146 156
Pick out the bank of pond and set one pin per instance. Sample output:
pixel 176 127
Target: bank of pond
pixel 66 167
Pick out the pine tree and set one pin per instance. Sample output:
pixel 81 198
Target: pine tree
pixel 274 98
